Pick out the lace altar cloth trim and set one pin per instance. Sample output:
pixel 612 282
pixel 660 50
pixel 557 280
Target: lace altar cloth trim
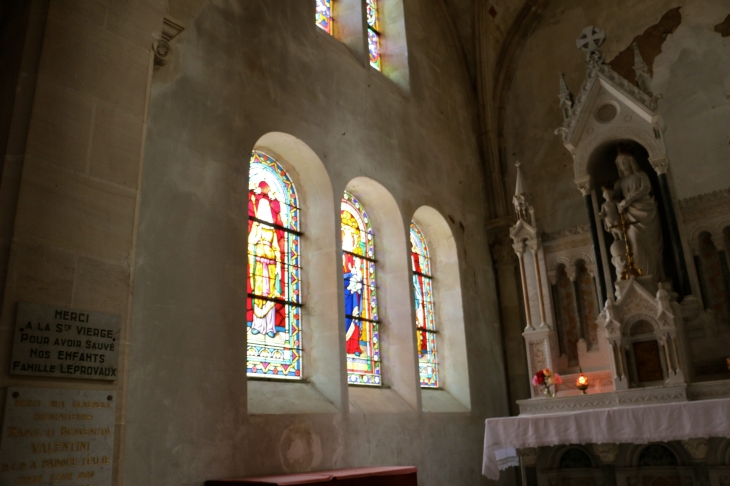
pixel 639 425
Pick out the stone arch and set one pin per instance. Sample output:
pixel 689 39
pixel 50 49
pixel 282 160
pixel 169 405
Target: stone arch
pixel 630 322
pixel 710 249
pixel 702 228
pixel 568 320
pixel 319 289
pixel 724 456
pixel 557 263
pixel 448 303
pixel 655 148
pixel 654 454
pixel 571 457
pixel 392 252
pixel 583 257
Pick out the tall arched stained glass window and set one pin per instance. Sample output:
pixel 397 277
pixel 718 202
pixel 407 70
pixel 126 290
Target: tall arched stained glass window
pixel 425 320
pixel 361 311
pixel 274 297
pixel 373 33
pixel 323 17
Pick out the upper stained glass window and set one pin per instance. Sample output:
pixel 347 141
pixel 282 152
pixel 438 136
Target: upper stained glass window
pixel 425 320
pixel 373 33
pixel 274 297
pixel 324 15
pixel 361 311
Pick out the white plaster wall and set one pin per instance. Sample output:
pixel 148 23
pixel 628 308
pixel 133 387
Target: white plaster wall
pixel 241 70
pixel 693 74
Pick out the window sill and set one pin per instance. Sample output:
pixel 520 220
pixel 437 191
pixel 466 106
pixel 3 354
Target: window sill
pixel 438 400
pixel 286 397
pixel 365 399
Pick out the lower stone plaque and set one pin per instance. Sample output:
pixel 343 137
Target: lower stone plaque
pixel 57 436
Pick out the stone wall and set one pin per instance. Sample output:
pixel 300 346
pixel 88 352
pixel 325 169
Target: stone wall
pixel 72 166
pixel 239 71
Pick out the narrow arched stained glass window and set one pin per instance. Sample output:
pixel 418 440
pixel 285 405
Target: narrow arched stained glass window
pixel 373 33
pixel 274 298
pixel 323 16
pixel 361 311
pixel 425 320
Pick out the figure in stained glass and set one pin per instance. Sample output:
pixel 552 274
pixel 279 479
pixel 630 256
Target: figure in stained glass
pixel 273 303
pixel 361 317
pixel 324 15
pixel 265 258
pixel 425 319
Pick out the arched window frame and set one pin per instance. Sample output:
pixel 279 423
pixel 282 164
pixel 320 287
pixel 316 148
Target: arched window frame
pixel 424 307
pixel 453 393
pixel 361 313
pixel 273 352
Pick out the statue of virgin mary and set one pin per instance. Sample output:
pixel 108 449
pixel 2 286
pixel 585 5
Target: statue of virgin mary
pixel 633 191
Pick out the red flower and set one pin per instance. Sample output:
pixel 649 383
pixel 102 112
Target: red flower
pixel 539 378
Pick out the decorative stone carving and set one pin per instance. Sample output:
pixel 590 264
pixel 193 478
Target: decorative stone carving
pixel 620 398
pixel 642 72
pixel 606 452
pixel 170 29
pixel 603 96
pixel 697 448
pixel 606 112
pixel 582 229
pixel 706 206
pixel 635 303
pixel 566 97
pixel 502 251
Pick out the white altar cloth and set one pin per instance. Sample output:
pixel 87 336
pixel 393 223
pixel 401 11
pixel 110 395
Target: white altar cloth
pixel 630 424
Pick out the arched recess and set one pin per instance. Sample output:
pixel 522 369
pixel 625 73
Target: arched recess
pixel 449 316
pixel 713 273
pixel 399 367
pixel 573 464
pixel 602 169
pixel 321 368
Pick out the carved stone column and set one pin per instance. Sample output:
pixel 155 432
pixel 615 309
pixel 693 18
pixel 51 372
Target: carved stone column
pixel 534 248
pixel 520 251
pixel 585 189
pixel 661 165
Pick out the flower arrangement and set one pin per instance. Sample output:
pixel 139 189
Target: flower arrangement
pixel 547 379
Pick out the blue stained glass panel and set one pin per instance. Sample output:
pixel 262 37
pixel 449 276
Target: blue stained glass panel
pixel 360 292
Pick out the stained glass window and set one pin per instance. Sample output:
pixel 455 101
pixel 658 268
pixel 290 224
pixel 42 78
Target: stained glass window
pixel 324 15
pixel 425 320
pixel 274 298
pixel 373 33
pixel 361 311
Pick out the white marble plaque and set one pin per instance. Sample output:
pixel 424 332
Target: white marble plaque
pixel 57 436
pixel 62 342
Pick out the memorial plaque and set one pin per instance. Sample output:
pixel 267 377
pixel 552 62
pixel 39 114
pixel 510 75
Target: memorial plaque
pixel 67 343
pixel 57 436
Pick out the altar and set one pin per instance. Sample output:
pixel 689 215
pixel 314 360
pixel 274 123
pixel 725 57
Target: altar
pixel 627 363
pixel 639 424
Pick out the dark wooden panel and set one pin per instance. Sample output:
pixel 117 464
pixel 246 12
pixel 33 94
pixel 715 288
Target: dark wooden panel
pixel 648 362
